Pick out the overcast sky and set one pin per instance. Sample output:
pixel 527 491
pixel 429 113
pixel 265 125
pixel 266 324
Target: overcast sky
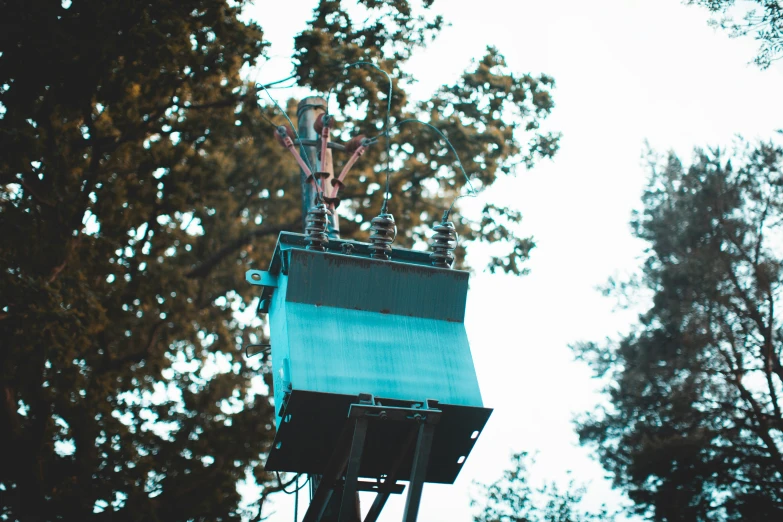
pixel 626 71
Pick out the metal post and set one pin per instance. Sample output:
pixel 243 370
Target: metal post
pixel 421 457
pixel 391 480
pixel 348 506
pixel 307 112
pixel 327 494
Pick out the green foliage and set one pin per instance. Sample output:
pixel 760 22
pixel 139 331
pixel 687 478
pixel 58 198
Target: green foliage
pixel 139 181
pixel 495 226
pixel 492 117
pixel 763 19
pixel 514 499
pixel 694 430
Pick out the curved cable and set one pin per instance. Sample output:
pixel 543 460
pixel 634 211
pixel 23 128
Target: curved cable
pixel 295 481
pixel 293 128
pixel 385 122
pixel 266 118
pixel 268 59
pixel 284 113
pixel 255 82
pixel 280 81
pixel 291 86
pixel 471 191
pixel 266 347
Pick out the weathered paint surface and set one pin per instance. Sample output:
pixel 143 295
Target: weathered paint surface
pixel 278 325
pixel 346 324
pixel 346 351
pixel 341 281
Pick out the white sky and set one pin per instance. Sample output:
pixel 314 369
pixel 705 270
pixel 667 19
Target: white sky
pixel 626 71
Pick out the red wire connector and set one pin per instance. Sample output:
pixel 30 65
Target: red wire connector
pixel 357 145
pixel 322 125
pixel 283 135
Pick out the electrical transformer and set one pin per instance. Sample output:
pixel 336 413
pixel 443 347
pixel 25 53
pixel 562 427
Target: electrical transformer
pixel 350 330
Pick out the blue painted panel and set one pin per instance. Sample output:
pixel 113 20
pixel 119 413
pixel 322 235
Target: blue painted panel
pixel 278 329
pixel 379 286
pixel 345 324
pixel 337 350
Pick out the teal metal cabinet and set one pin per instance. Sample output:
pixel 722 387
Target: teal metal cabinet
pixel 343 324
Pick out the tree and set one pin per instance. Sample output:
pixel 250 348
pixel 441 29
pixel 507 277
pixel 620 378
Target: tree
pixel 761 18
pixel 140 180
pixel 513 499
pixel 693 430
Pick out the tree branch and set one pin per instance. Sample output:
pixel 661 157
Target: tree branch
pixel 768 362
pixel 40 199
pixel 210 263
pixel 761 417
pixel 754 313
pixel 137 356
pixel 228 102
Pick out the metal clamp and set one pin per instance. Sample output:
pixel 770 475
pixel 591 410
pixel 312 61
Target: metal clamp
pixel 268 282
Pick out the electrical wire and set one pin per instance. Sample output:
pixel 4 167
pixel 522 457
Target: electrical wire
pixel 270 84
pixel 271 98
pixel 266 118
pixel 295 481
pixel 385 122
pixel 266 347
pixel 255 82
pixel 265 86
pixel 284 86
pixel 312 106
pixel 471 191
pixel 386 132
pixel 296 504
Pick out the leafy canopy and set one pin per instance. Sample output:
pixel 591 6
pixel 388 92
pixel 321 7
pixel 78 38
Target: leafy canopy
pixel 513 498
pixel 763 19
pixel 693 430
pixel 140 180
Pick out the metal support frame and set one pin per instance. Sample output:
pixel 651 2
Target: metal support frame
pixel 346 461
pixel 348 507
pixel 421 457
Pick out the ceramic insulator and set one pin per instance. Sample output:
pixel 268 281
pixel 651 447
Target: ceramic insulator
pixel 315 230
pixel 443 244
pixel 384 230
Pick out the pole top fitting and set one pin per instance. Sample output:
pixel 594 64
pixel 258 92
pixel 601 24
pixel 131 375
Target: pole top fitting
pixel 309 103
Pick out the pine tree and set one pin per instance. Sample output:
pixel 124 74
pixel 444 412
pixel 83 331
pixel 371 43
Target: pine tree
pixel 693 430
pixel 140 179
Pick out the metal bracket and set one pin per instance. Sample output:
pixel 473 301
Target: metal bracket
pixel 266 347
pixel 261 278
pixel 347 457
pixel 268 282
